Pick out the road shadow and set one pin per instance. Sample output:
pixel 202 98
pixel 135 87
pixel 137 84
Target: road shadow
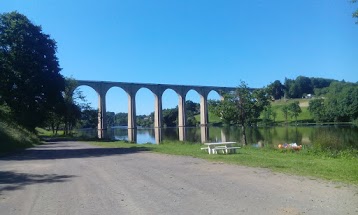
pixel 10 181
pixel 66 151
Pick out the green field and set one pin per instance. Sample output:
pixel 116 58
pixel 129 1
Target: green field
pixel 304 117
pixel 276 106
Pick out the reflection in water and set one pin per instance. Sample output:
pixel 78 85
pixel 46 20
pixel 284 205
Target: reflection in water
pixel 335 137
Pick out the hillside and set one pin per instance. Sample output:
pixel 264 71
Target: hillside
pixel 12 136
pixel 304 116
pixel 277 105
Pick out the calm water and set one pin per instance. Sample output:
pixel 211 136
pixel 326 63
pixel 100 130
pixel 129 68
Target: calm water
pixel 336 137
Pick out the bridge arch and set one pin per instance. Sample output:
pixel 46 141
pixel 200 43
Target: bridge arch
pixel 102 87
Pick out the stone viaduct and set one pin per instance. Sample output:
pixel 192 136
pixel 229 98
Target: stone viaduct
pixel 101 87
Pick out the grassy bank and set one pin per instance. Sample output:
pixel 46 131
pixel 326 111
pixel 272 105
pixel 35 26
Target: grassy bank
pixel 48 135
pixel 313 164
pixel 13 136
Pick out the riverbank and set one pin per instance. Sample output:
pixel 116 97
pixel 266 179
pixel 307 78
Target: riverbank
pixel 313 164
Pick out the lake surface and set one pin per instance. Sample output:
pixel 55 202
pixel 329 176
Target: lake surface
pixel 335 137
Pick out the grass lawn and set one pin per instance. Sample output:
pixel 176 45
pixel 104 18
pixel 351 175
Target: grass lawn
pixel 47 133
pixel 304 116
pixel 305 163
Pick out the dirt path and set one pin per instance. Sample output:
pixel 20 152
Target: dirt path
pixel 76 178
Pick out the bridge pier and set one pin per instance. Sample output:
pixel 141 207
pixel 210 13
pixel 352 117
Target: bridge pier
pixel 204 131
pixel 132 124
pixel 102 117
pixel 158 135
pixel 132 135
pixel 181 117
pixel 158 116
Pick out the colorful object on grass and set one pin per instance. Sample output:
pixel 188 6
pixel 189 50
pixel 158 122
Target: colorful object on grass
pixel 293 146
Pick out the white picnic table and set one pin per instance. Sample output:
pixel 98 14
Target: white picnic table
pixel 225 147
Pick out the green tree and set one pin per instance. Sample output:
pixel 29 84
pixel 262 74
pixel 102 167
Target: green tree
pixel 89 118
pixel 75 102
pixel 267 114
pixel 192 107
pixel 121 119
pixel 243 107
pixel 30 80
pixel 274 115
pixel 170 117
pixel 321 82
pixel 276 89
pixel 226 109
pixel 250 105
pixel 285 112
pixel 110 118
pixel 304 86
pixel 55 118
pixel 212 104
pixel 146 120
pixel 67 113
pixel 342 102
pixel 317 109
pixel 289 88
pixel 54 121
pixel 355 13
pixel 294 109
pixel 296 88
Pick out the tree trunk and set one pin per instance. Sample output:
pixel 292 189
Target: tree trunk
pixel 243 128
pixel 57 127
pixel 53 128
pixel 66 128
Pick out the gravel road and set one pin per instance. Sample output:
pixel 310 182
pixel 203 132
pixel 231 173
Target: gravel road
pixel 75 178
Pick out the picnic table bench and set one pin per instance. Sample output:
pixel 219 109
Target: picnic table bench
pixel 225 147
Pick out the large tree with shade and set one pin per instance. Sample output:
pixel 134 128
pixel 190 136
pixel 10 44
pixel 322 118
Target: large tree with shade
pixel 30 80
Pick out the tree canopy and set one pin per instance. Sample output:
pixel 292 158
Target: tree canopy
pixel 294 109
pixel 242 107
pixel 276 89
pixel 355 13
pixel 340 103
pixel 30 80
pixel 297 88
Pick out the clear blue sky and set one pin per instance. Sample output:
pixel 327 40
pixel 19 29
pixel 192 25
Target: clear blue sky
pixel 196 42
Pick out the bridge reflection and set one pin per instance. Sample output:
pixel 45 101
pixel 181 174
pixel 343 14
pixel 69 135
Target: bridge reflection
pixel 157 135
